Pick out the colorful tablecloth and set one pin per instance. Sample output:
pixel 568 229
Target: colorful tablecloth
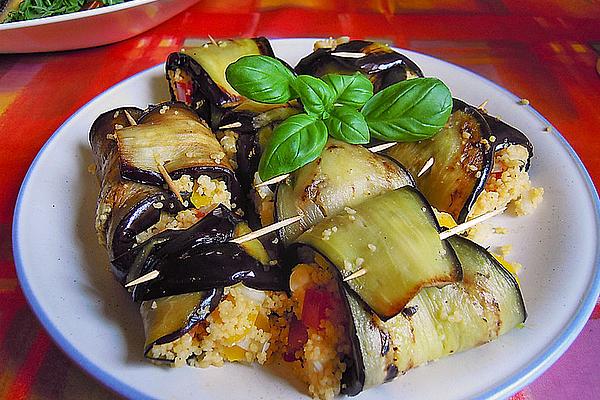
pixel 546 52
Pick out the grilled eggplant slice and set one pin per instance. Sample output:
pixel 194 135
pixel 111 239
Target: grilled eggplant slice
pixel 128 207
pixel 195 265
pixel 170 134
pixel 463 155
pixel 462 161
pixel 200 258
pixel 197 78
pixel 436 323
pixel 394 237
pixel 168 318
pixel 382 65
pixel 124 208
pixel 506 135
pixel 344 175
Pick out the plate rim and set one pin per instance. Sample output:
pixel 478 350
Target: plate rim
pixel 509 386
pixel 73 16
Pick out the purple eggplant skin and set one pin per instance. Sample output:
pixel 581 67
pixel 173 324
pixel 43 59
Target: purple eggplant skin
pixel 248 156
pixel 382 65
pixel 208 98
pixel 177 110
pixel 104 148
pixel 130 202
pixel 507 135
pixel 487 155
pixel 208 303
pixel 201 258
pixel 141 217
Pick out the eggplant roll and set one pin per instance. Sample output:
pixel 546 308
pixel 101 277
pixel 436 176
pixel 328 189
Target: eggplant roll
pixel 212 300
pixel 382 65
pixel 198 268
pixel 475 164
pixel 393 237
pixel 197 78
pixel 128 145
pixel 343 347
pixel 170 135
pixel 344 175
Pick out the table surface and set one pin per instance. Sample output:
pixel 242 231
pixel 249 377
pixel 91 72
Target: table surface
pixel 548 54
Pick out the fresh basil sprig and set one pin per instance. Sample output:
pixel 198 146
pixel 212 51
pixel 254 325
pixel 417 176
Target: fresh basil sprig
pixel 342 106
pixel 351 90
pixel 348 125
pixel 316 95
pixel 408 111
pixel 261 78
pixel 295 142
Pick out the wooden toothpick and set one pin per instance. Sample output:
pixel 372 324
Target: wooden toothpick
pixel 132 121
pixel 267 229
pixel 347 54
pixel 239 240
pixel 482 105
pixel 144 278
pixel 272 180
pixel 426 167
pixel 470 223
pixel 169 181
pixel 231 126
pixel 381 147
pixel 212 40
pixel 277 179
pixel 356 274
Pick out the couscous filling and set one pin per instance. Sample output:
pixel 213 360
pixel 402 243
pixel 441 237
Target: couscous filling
pixel 205 194
pixel 317 339
pixel 246 326
pixel 509 184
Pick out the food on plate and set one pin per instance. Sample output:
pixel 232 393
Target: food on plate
pixel 405 248
pixel 24 10
pixel 167 204
pixel 338 345
pixel 478 164
pixel 196 77
pixel 133 203
pixel 344 107
pixel 344 175
pixel 362 160
pixel 379 62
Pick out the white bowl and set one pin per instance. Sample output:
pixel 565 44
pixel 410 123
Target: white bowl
pixel 88 28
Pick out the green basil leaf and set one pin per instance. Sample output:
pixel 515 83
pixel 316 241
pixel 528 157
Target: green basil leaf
pixel 351 90
pixel 409 111
pixel 295 142
pixel 261 78
pixel 347 124
pixel 316 95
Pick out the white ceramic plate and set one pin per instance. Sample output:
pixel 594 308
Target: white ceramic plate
pixel 88 28
pixel 63 271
